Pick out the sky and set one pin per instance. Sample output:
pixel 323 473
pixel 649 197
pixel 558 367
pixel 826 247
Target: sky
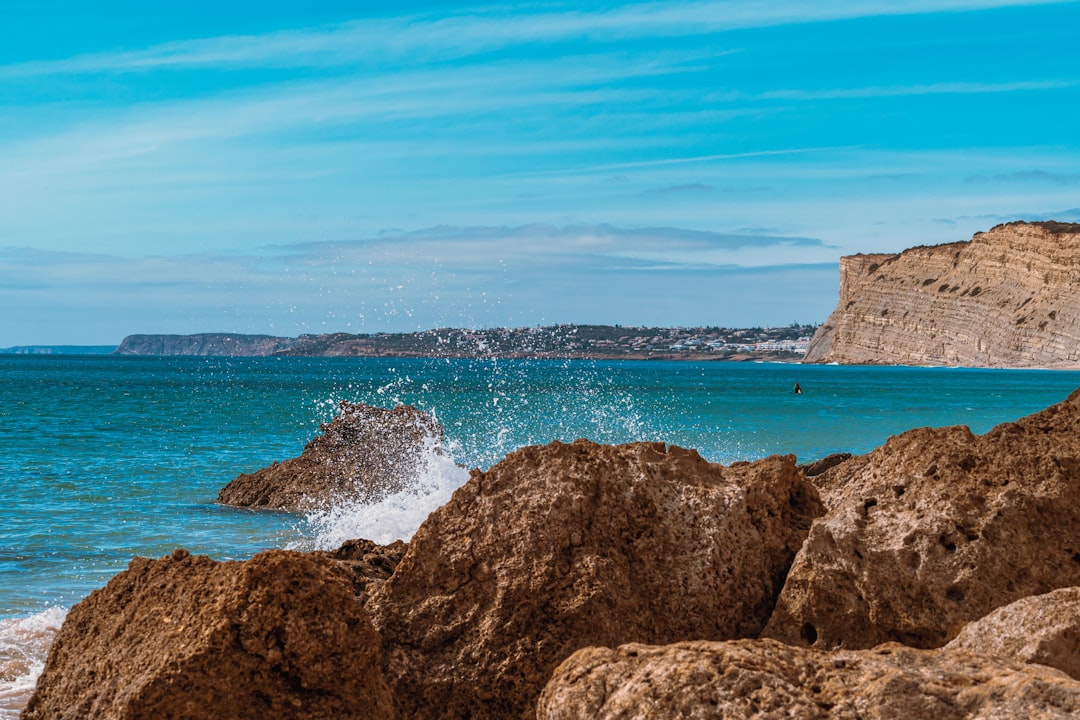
pixel 287 168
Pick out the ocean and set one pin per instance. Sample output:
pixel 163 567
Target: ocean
pixel 105 458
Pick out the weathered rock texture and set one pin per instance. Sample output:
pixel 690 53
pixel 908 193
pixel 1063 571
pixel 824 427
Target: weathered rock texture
pixel 369 564
pixel 936 528
pixel 1008 298
pixel 564 546
pixel 184 637
pixel 819 467
pixel 764 679
pixel 364 454
pixel 1043 629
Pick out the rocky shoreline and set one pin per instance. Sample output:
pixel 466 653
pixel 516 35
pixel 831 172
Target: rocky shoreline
pixel 935 577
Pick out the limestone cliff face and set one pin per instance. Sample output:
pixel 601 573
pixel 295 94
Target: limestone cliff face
pixel 1009 297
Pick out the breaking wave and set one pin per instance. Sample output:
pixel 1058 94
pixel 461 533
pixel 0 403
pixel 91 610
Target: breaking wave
pixel 393 517
pixel 24 645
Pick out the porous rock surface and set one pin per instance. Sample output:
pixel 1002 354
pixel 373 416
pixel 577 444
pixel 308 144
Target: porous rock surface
pixel 364 454
pixel 936 528
pixel 1042 629
pixel 1009 297
pixel 369 564
pixel 563 546
pixel 184 637
pixel 764 679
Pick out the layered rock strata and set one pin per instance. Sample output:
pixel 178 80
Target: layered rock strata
pixel 937 528
pixel 765 679
pixel 1009 297
pixel 1042 629
pixel 564 546
pixel 364 454
pixel 278 636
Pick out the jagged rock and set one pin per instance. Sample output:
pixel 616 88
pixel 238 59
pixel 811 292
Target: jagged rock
pixel 184 637
pixel 1008 298
pixel 1042 629
pixel 364 454
pixel 368 563
pixel 818 467
pixel 765 679
pixel 936 528
pixel 563 546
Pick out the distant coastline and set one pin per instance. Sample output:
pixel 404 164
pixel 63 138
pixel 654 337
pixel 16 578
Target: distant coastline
pixel 59 350
pixel 600 342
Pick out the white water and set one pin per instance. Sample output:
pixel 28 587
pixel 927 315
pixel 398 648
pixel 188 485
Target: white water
pixel 24 645
pixel 395 517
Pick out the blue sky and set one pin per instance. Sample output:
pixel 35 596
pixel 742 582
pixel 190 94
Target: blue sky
pixel 268 168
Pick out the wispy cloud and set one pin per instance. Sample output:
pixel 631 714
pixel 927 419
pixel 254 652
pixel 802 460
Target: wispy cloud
pixel 683 189
pixel 436 277
pixel 486 29
pixel 1026 176
pixel 944 88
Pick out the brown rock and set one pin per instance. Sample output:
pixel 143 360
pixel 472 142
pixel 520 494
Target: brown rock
pixel 368 563
pixel 818 467
pixel 563 546
pixel 937 528
pixel 364 454
pixel 765 679
pixel 1009 297
pixel 1042 629
pixel 184 637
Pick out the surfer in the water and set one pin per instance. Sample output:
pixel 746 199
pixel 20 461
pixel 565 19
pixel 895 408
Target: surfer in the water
pixel 797 390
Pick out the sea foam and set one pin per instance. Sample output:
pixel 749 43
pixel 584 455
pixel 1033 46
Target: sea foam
pixel 394 517
pixel 24 645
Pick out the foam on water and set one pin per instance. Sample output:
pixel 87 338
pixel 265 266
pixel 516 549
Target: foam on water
pixel 24 645
pixel 396 516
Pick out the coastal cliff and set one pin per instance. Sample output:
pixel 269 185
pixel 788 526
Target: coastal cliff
pixel 216 344
pixel 1009 297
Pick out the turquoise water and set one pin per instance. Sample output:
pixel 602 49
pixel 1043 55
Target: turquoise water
pixel 105 458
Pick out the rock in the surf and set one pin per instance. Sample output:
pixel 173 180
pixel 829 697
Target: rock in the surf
pixel 767 679
pixel 364 454
pixel 278 636
pixel 568 545
pixel 936 528
pixel 1042 629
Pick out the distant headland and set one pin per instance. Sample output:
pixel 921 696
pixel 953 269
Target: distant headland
pixel 602 342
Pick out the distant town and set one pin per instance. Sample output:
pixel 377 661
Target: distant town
pixel 554 341
pixel 572 341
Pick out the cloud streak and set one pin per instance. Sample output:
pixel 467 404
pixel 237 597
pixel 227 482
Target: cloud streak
pixel 484 30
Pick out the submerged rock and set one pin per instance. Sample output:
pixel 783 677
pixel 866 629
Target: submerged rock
pixel 1042 629
pixel 767 679
pixel 936 528
pixel 364 454
pixel 184 637
pixel 564 546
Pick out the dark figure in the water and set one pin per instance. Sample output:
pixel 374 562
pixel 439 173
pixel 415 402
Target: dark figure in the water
pixel 797 390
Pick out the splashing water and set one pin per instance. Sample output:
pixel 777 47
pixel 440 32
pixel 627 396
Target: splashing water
pixel 393 517
pixel 24 645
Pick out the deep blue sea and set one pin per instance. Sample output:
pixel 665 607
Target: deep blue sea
pixel 104 458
